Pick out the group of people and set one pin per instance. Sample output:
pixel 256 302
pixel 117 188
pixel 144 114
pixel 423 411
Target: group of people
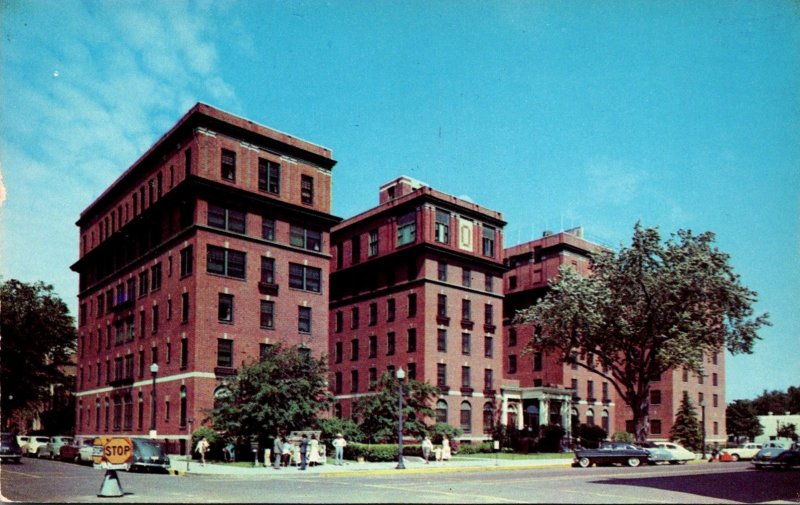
pixel 440 453
pixel 306 453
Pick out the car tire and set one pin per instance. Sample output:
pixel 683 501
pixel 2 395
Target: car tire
pixel 584 462
pixel 634 462
pixel 674 462
pixel 735 457
pixel 77 459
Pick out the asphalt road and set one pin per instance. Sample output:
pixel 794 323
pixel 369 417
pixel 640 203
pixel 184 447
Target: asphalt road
pixel 53 481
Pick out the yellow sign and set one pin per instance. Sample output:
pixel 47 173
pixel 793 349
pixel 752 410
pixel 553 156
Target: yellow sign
pixel 118 451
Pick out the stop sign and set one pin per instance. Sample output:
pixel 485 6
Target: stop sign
pixel 118 451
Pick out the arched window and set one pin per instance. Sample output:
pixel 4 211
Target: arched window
pixel 590 417
pixel 183 406
pixel 605 422
pixel 441 411
pixel 511 416
pixel 488 417
pixel 466 417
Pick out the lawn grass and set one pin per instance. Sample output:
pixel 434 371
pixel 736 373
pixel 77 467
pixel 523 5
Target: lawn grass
pixel 516 456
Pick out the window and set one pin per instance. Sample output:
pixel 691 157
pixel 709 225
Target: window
pixel 226 262
pixel 304 319
pixel 488 346
pixel 488 417
pixel 267 270
pixel 466 377
pixel 512 363
pixel 269 176
pixel 305 277
pixel 685 375
pixel 714 379
pixel 353 381
pixel 716 428
pixel 605 392
pixel 715 358
pixel 373 346
pixel 442 273
pixel 372 315
pixel 441 374
pixel 715 400
pixel 184 353
pixel 407 228
pixel 488 241
pixel 337 383
pixel 186 261
pixel 441 340
pixel 441 411
pixel 354 350
pixel 466 344
pixel 228 165
pixel 306 189
pixel 412 371
pixel 466 310
pixel 355 249
pixel 267 314
pixel 412 305
pixel 373 379
pixel 390 343
pixel 442 226
pixel 155 277
pixel 338 352
pixel 655 426
pixel 441 305
pixel 155 319
pixel 226 219
pixel 574 387
pixel 305 238
pixel 267 228
pixel 488 379
pixel 466 277
pixel 373 242
pixel 590 390
pixel 354 318
pixel 184 307
pixel 224 353
pixel 655 397
pixel 488 283
pixel 699 377
pixel 412 339
pixel 338 321
pixel 590 417
pixel 143 282
pixel 466 417
pixel 700 398
pixel 488 315
pixel 537 361
pixel 390 309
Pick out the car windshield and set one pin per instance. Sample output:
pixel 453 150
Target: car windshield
pixel 147 448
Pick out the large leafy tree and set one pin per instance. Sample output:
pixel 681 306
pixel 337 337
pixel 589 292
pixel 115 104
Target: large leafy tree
pixel 778 402
pixel 741 420
pixel 646 309
pixel 378 413
pixel 283 391
pixel 686 430
pixel 38 339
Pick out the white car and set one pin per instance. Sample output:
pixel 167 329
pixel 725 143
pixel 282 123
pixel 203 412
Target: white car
pixel 37 446
pixel 677 454
pixel 746 451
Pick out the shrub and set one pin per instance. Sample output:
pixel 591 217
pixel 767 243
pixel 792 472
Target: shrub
pixel 623 436
pixel 550 440
pixel 379 452
pixel 590 436
pixel 483 447
pixel 440 429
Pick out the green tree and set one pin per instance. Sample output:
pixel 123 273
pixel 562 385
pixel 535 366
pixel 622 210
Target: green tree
pixel 377 413
pixel 788 430
pixel 686 430
pixel 778 402
pixel 646 309
pixel 286 390
pixel 741 420
pixel 39 338
pixel 347 427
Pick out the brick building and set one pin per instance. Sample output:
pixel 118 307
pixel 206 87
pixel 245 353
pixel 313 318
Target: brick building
pixel 210 247
pixel 416 282
pixel 592 399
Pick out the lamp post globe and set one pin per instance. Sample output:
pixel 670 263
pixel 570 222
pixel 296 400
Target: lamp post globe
pixel 154 373
pixel 401 374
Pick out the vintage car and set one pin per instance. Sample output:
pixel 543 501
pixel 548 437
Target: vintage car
pixel 78 451
pixel 667 452
pixel 775 455
pixel 611 453
pixel 148 455
pixel 9 448
pixel 746 451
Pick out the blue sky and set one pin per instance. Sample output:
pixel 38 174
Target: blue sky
pixel 558 114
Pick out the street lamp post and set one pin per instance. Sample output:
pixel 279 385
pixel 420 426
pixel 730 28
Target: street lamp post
pixel 703 410
pixel 401 374
pixel 189 449
pixel 154 372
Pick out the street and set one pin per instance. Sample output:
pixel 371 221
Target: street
pixel 53 481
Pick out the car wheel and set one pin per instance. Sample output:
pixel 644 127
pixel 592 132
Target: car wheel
pixel 76 459
pixel 674 462
pixel 735 457
pixel 633 462
pixel 682 461
pixel 585 462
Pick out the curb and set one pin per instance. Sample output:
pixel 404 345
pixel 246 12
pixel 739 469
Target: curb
pixel 176 472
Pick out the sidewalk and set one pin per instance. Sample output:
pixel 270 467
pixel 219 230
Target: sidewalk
pixel 411 463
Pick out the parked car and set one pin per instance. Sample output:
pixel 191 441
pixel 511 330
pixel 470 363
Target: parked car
pixel 148 455
pixel 746 451
pixel 52 448
pixel 23 441
pixel 675 454
pixel 9 448
pixel 74 451
pixel 37 446
pixel 611 453
pixel 772 455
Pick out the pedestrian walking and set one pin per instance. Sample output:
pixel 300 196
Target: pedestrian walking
pixel 303 451
pixel 202 449
pixel 427 447
pixel 445 448
pixel 277 452
pixel 339 443
pixel 313 451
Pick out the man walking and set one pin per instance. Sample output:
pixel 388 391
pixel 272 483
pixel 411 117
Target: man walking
pixel 427 447
pixel 339 443
pixel 277 451
pixel 303 451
